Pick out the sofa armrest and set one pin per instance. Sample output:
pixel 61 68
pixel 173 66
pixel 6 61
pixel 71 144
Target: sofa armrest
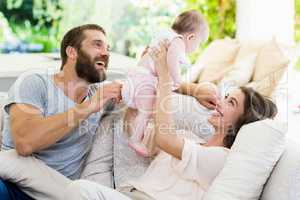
pixel 284 182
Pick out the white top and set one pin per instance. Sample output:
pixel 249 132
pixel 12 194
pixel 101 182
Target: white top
pixel 168 178
pixel 165 34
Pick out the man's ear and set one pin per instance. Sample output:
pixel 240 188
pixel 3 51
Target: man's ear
pixel 71 53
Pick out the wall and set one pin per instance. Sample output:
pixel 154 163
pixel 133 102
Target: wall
pixel 263 19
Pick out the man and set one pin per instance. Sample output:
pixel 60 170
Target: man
pixel 46 114
pixel 43 112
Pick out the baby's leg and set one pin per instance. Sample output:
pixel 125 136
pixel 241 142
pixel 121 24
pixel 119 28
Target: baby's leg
pixel 138 128
pixel 144 102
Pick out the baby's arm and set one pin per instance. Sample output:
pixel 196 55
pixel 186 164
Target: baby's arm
pixel 176 48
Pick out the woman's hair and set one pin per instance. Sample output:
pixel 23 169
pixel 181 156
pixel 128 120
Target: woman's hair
pixel 256 107
pixel 188 22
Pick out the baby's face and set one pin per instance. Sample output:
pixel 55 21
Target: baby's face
pixel 193 40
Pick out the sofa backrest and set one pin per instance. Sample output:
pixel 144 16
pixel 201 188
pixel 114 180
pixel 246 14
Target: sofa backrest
pixel 2 101
pixel 1 122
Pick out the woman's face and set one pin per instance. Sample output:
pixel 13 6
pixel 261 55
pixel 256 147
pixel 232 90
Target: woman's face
pixel 228 110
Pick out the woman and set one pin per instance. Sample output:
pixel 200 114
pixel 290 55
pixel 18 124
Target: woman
pixel 184 169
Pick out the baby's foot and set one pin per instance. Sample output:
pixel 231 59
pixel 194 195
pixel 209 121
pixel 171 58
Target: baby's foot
pixel 139 148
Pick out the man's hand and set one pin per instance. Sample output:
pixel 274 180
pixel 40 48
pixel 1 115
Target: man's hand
pixel 104 93
pixel 207 94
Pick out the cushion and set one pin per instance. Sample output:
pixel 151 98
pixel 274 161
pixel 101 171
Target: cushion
pixel 99 162
pixel 223 50
pixel 127 164
pixel 271 63
pixel 214 72
pixel 241 71
pixel 188 115
pixel 3 97
pixel 284 182
pixel 1 125
pixel 248 48
pixel 218 55
pixel 250 162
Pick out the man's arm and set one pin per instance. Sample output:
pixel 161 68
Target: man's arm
pixel 32 131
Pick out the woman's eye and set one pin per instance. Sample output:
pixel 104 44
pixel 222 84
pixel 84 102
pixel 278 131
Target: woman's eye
pixel 226 96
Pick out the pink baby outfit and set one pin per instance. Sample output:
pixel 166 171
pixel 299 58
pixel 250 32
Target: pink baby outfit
pixel 143 80
pixel 139 89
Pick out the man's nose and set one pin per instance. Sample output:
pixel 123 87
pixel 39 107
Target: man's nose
pixel 104 52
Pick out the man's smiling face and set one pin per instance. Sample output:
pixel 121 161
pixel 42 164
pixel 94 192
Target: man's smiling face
pixel 92 57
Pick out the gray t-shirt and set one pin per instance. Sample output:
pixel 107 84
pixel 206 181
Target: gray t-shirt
pixel 68 154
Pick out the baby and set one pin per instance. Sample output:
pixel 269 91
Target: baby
pixel 139 90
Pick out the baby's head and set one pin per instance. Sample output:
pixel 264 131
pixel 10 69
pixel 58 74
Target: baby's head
pixel 193 27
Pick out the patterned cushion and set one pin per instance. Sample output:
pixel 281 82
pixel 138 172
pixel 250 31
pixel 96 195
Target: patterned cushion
pixel 99 163
pixel 127 164
pixel 188 115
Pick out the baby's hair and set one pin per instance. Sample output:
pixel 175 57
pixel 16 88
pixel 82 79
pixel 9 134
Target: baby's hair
pixel 189 22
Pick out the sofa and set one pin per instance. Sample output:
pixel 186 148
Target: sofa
pixel 110 161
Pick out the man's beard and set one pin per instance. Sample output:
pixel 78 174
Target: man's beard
pixel 85 67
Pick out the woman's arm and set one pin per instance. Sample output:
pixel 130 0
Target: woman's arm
pixel 165 133
pixel 173 59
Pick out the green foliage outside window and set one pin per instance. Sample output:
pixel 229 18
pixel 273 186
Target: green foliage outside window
pixel 45 21
pixel 220 15
pixel 34 21
pixel 130 24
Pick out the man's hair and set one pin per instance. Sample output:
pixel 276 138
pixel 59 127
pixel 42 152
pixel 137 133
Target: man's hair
pixel 256 107
pixel 74 38
pixel 189 21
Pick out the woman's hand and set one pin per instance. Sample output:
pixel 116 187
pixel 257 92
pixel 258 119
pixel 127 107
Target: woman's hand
pixel 159 57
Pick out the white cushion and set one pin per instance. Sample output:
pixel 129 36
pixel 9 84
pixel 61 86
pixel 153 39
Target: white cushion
pixel 241 71
pixel 99 163
pixel 284 182
pixel 188 115
pixel 253 155
pixel 127 164
pixel 214 60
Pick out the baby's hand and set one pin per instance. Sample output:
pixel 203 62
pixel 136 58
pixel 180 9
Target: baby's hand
pixel 207 94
